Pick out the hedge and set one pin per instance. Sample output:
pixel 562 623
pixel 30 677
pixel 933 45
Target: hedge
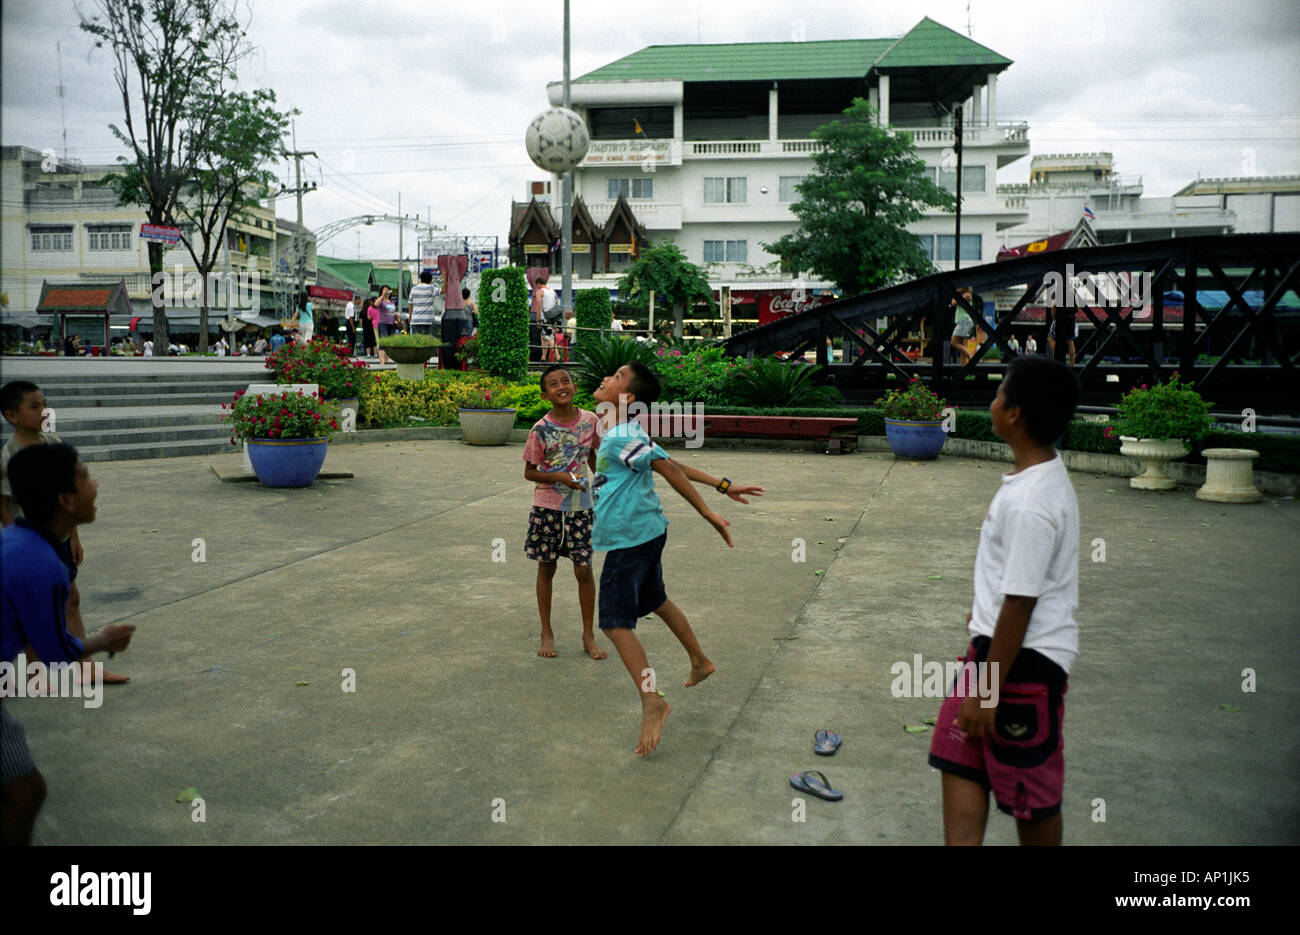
pixel 592 309
pixel 503 322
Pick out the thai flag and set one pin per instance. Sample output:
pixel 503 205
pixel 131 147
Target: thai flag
pixel 1087 212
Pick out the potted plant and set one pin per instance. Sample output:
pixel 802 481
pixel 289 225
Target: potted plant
pixel 286 434
pixel 914 421
pixel 330 366
pixel 482 422
pixel 1156 425
pixel 410 352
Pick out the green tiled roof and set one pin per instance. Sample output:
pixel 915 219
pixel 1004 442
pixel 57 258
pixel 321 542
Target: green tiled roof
pixel 927 44
pixel 388 277
pixel 356 273
pixel 931 43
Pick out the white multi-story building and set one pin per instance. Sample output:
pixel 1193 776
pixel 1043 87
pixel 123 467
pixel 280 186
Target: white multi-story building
pixel 706 143
pixel 60 223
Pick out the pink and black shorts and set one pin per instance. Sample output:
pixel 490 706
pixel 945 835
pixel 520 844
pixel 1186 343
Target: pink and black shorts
pixel 1023 763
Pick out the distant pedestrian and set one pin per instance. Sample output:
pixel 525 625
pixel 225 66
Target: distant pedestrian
pixel 350 323
pixel 422 313
pixel 368 316
pixel 307 320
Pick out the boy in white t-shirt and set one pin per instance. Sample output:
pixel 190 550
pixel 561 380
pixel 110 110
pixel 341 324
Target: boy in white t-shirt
pixel 1005 735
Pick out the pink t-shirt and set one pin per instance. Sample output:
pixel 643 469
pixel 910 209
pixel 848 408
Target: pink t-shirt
pixel 556 446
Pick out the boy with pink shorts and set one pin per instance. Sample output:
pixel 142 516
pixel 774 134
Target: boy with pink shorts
pixel 1021 625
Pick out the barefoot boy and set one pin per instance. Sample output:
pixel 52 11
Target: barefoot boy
pixel 1021 623
pixel 631 527
pixel 557 457
pixel 23 405
pixel 56 494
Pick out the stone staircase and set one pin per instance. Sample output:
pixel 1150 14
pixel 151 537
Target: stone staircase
pixel 142 415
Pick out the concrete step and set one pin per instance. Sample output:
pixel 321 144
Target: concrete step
pixel 60 392
pixel 141 450
pixel 107 401
pixel 71 418
pixel 117 436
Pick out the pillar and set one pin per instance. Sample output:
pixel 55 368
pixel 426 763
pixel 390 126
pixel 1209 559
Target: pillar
pixel 773 122
pixel 884 100
pixel 992 115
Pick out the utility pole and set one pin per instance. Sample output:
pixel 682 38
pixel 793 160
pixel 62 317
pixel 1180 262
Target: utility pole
pixel 299 239
pixel 401 254
pixel 957 145
pixel 566 189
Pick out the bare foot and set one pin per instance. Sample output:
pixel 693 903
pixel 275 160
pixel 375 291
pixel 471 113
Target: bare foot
pixel 593 650
pixel 547 649
pixel 654 711
pixel 700 672
pixel 86 673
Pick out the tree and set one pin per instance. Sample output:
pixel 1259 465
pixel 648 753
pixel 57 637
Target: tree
pixel 230 176
pixel 171 62
pixel 868 185
pixel 676 282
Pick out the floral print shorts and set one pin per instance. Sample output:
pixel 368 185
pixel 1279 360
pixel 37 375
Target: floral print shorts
pixel 555 533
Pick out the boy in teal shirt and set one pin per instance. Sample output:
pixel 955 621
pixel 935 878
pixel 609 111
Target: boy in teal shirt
pixel 631 527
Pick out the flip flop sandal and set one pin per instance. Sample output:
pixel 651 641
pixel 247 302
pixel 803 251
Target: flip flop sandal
pixel 827 742
pixel 816 783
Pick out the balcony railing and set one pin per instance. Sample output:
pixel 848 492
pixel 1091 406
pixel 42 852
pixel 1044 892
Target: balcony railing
pixel 1001 134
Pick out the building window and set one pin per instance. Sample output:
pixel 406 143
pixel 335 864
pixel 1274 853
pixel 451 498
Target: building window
pixel 726 251
pixel 972 178
pixel 51 239
pixel 109 237
pixel 927 245
pixel 971 246
pixel 732 190
pixel 787 193
pixel 631 188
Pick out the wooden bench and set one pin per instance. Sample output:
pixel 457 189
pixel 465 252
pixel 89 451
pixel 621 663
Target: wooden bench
pixel 840 434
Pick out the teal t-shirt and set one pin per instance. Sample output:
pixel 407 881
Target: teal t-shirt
pixel 627 508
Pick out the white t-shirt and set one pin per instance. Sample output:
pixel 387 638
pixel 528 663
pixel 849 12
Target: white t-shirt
pixel 615 325
pixel 148 348
pixel 549 299
pixel 350 311
pixel 1029 546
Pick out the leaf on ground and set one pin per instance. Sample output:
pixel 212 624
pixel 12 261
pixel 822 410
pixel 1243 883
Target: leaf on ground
pixel 830 519
pixel 821 541
pixel 189 795
pixel 822 572
pixel 300 684
pixel 1110 490
pixel 935 577
pixel 932 721
pixel 1230 708
pixel 915 728
pixel 1151 540
pixel 1207 524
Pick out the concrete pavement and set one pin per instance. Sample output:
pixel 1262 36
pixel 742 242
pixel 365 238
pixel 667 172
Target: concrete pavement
pixel 455 719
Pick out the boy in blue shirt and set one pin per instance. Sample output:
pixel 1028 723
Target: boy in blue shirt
pixel 56 494
pixel 630 526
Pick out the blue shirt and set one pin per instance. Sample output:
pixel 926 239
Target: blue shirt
pixel 627 508
pixel 33 598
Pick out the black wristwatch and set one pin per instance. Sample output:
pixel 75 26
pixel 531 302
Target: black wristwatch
pixel 724 485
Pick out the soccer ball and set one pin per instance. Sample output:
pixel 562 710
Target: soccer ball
pixel 557 140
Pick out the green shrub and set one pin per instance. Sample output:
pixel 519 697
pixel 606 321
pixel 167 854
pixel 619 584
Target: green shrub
pixel 390 401
pixel 591 309
pixel 409 340
pixel 1164 411
pixel 322 362
pixel 699 375
pixel 503 322
pixel 915 402
pixel 767 381
pixel 602 356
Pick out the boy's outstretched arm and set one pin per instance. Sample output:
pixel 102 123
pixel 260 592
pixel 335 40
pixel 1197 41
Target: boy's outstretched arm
pixel 680 483
pixel 735 491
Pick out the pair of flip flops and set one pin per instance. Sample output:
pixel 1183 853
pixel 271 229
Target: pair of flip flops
pixel 813 782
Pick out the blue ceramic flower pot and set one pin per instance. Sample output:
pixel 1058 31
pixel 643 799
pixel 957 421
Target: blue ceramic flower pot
pixel 920 441
pixel 287 462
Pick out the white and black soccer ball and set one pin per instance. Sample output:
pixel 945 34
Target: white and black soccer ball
pixel 557 140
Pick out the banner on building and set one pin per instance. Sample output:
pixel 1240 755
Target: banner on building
pixel 158 233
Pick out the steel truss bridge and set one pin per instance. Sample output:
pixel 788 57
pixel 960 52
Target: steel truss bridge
pixel 1242 354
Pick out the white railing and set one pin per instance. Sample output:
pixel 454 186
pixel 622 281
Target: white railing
pixel 988 136
pixel 725 149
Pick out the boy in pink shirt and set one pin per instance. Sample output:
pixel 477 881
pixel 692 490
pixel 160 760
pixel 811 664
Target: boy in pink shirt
pixel 560 457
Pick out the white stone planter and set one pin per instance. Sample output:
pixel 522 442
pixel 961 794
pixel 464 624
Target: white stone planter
pixel 1229 476
pixel 1154 455
pixel 487 426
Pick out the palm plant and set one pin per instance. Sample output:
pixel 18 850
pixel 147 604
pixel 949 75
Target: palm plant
pixel 600 356
pixel 770 382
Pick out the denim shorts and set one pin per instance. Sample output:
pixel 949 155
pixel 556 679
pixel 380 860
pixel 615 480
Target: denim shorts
pixel 632 584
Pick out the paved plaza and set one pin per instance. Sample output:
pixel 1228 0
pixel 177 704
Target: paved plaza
pixel 237 664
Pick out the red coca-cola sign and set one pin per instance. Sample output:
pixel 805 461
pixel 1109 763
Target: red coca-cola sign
pixel 774 304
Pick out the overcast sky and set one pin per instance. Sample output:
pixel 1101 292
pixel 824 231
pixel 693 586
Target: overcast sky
pixel 431 99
